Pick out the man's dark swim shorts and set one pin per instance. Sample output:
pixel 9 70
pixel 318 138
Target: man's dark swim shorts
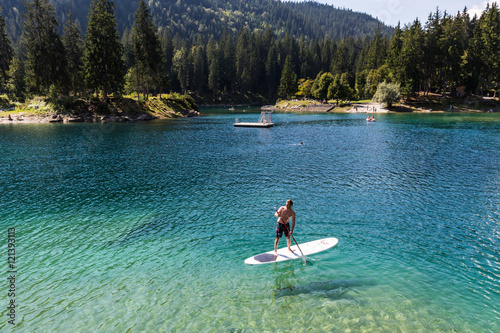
pixel 280 228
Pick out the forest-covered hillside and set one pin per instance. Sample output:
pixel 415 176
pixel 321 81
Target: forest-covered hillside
pixel 189 18
pixel 448 54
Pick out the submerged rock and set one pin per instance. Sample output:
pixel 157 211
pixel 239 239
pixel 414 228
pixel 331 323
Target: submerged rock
pixel 192 113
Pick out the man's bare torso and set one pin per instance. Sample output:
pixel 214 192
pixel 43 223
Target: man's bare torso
pixel 285 214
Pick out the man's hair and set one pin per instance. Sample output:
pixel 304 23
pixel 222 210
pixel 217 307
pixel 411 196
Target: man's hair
pixel 290 201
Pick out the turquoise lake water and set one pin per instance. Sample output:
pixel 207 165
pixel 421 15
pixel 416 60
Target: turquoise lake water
pixel 144 227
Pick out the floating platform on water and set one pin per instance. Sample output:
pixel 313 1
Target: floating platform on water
pixel 264 120
pixel 253 124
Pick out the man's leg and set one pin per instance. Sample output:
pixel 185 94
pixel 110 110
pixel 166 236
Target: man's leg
pixel 276 244
pixel 289 242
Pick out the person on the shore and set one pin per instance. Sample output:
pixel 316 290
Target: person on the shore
pixel 284 213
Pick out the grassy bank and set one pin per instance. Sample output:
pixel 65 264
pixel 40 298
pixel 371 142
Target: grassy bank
pixel 422 103
pixel 90 109
pixel 308 104
pixel 437 102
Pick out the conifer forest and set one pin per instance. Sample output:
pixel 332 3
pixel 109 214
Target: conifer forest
pixel 259 49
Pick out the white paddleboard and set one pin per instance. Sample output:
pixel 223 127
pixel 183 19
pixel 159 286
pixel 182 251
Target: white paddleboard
pixel 284 254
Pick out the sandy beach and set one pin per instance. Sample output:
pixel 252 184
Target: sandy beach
pixel 368 108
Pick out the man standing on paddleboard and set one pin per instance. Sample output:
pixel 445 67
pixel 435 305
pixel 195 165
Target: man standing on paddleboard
pixel 283 226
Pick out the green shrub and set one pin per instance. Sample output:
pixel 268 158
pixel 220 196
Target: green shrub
pixel 388 93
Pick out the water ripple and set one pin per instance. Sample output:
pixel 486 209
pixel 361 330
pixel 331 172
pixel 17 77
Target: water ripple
pixel 144 227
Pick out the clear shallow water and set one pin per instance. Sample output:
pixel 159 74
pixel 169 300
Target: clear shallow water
pixel 145 226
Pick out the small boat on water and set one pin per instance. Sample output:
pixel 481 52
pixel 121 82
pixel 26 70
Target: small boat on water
pixel 264 120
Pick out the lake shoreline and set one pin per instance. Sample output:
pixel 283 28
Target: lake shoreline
pixel 379 108
pixel 95 111
pixel 56 117
pixel 423 104
pixel 129 110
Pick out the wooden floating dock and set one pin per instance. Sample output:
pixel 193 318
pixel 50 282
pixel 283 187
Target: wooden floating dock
pixel 253 125
pixel 264 120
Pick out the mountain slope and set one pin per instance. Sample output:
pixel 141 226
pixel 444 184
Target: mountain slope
pixel 189 18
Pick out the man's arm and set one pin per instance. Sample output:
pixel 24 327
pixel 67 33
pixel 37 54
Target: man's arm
pixel 293 222
pixel 278 212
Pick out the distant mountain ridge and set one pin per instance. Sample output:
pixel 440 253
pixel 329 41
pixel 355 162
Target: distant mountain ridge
pixel 189 18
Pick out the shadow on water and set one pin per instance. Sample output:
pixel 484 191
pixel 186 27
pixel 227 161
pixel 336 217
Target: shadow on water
pixel 155 225
pixel 333 289
pixel 284 276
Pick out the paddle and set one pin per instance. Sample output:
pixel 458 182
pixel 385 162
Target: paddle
pixel 302 254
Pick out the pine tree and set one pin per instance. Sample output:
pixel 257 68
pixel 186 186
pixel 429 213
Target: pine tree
pixel 360 83
pixel 200 73
pixel 73 45
pixel 304 58
pixel 128 49
pixel 472 62
pixel 314 51
pixel 167 47
pixel 490 37
pixel 262 42
pixel 168 55
pixel 433 51
pixel 147 48
pixel 325 55
pixel 272 72
pixel 289 47
pixel 340 62
pixel 182 64
pixel 394 53
pixel 377 50
pixel 245 61
pixel 6 52
pixel 228 52
pixel 454 42
pixel 45 58
pixel 370 86
pixel 213 59
pixel 103 63
pixel 288 82
pixel 16 86
pixel 411 55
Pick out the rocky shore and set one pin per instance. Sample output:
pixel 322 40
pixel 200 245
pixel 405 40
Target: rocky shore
pixel 87 118
pixel 119 110
pixel 63 118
